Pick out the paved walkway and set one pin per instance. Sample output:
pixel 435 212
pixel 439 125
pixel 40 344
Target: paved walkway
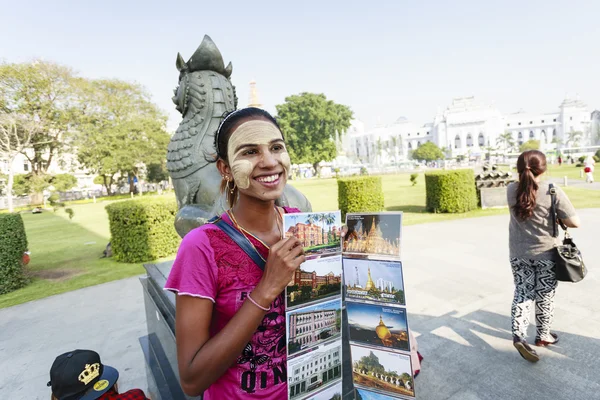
pixel 108 318
pixel 459 291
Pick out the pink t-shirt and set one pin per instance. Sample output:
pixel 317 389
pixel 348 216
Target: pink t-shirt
pixel 211 265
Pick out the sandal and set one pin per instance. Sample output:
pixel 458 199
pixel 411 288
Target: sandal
pixel 542 343
pixel 525 350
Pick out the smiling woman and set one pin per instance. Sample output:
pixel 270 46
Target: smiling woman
pixel 228 347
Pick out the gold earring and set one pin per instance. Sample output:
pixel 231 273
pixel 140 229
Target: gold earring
pixel 227 184
pixel 232 188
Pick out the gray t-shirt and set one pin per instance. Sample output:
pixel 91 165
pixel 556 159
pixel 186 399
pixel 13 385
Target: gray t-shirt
pixel 532 239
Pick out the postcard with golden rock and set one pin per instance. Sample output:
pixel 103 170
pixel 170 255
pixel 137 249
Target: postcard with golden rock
pixel 373 234
pixel 378 325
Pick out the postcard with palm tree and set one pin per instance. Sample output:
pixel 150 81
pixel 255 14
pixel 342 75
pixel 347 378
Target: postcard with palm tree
pixel 319 233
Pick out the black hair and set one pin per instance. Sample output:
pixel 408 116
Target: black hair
pixel 223 134
pixel 230 120
pixel 530 165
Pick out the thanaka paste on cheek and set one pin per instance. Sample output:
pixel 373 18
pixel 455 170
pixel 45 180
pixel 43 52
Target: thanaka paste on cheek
pixel 241 170
pixel 255 132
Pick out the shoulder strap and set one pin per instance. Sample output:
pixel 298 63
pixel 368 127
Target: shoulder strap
pixel 553 210
pixel 240 239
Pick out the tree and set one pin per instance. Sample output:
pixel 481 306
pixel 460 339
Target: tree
pixel 428 152
pixel 506 139
pixel 122 131
pixel 16 135
pixel 309 122
pixel 63 182
pixel 157 172
pixel 530 145
pixel 48 94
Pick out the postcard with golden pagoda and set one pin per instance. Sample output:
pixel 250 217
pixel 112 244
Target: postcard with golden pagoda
pixel 374 281
pixel 319 232
pixel 373 234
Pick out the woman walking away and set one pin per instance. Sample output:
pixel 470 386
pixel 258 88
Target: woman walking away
pixel 588 168
pixel 531 244
pixel 230 313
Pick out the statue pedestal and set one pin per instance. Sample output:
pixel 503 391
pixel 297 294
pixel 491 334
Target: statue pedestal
pixel 493 197
pixel 159 346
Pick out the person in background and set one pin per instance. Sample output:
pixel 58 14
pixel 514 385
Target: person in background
pixel 559 160
pixel 588 168
pixel 80 375
pixel 531 243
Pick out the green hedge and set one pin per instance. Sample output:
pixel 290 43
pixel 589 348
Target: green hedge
pixel 360 194
pixel 143 229
pixel 451 191
pixel 13 244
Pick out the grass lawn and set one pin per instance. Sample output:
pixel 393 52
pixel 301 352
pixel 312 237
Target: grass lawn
pixel 400 195
pixel 65 255
pixel 568 170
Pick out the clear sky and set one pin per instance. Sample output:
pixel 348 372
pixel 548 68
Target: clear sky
pixel 383 59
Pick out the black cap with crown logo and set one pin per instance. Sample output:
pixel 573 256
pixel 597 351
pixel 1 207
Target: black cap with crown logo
pixel 80 375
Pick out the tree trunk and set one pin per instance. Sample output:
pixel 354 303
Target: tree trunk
pixel 131 183
pixel 9 186
pixel 140 189
pixel 107 184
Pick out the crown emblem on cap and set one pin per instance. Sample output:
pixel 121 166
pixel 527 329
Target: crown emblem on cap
pixel 89 373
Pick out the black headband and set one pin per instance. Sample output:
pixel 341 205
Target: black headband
pixel 218 133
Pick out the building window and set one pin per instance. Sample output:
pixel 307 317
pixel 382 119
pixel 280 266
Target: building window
pixel 481 140
pixel 530 122
pixel 418 144
pixel 409 145
pixel 531 135
pixel 542 121
pixel 543 136
pixel 507 124
pixel 520 136
pixel 409 134
pixel 25 166
pixel 571 118
pixel 519 123
pixel 428 133
pixel 553 133
pixel 418 133
pixel 554 119
pixel 457 143
pixel 469 140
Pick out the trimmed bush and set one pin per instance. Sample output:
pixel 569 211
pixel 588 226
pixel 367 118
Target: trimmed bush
pixel 13 245
pixel 360 194
pixel 143 229
pixel 451 191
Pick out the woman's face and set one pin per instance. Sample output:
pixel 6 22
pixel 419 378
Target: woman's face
pixel 258 159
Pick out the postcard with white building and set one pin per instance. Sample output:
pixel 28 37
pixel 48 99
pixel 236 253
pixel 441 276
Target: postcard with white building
pixel 373 234
pixel 316 280
pixel 382 371
pixel 311 375
pixel 319 233
pixel 373 280
pixel 310 326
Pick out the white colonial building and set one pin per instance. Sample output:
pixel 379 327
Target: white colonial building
pixel 468 128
